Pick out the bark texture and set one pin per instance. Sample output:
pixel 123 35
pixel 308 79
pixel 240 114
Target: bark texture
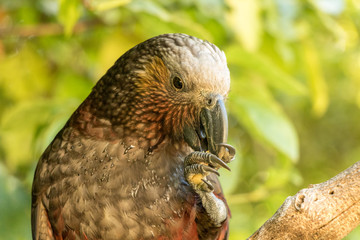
pixel 328 210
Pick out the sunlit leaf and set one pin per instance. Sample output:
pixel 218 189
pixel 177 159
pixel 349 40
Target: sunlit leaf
pixel 24 75
pixel 262 65
pixel 272 125
pixel 316 81
pixel 69 13
pixel 253 105
pixel 150 7
pixel 103 5
pixel 244 17
pixel 179 19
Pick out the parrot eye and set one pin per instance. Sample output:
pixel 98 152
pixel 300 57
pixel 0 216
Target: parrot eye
pixel 177 83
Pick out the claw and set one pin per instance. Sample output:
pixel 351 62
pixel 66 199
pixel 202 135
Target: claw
pixel 208 184
pixel 210 169
pixel 230 148
pixel 218 161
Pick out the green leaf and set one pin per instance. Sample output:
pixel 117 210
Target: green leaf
pixel 242 13
pixel 24 75
pixel 103 5
pixel 151 8
pixel 181 19
pixel 69 13
pixel 272 125
pixel 252 104
pixel 316 81
pixel 261 65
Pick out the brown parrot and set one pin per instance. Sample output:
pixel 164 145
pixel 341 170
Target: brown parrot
pixel 139 158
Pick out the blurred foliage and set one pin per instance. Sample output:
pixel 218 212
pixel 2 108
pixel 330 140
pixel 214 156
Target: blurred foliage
pixel 293 108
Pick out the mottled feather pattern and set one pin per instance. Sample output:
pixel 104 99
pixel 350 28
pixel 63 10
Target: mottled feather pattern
pixel 138 197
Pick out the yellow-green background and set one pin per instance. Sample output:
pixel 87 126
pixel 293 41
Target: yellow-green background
pixel 294 112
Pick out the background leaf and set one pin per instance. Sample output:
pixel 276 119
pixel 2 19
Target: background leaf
pixel 270 124
pixel 69 13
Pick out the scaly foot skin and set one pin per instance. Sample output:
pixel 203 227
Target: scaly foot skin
pixel 198 165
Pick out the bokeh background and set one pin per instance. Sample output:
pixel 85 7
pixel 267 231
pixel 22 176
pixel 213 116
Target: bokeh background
pixel 293 109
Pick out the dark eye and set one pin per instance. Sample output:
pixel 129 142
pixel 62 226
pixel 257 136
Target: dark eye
pixel 178 83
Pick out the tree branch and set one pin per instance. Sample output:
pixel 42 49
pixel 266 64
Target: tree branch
pixel 329 210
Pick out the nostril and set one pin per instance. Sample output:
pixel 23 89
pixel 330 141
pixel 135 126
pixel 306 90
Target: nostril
pixel 210 101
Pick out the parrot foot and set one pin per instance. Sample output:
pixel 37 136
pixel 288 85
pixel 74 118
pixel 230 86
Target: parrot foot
pixel 198 165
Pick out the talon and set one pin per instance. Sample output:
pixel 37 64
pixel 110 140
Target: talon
pixel 210 169
pixel 218 161
pixel 230 148
pixel 211 188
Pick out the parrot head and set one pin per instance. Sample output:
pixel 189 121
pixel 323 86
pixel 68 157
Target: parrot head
pixel 172 85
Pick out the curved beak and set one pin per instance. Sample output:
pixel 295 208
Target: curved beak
pixel 212 132
pixel 214 123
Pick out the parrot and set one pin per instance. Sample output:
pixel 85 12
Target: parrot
pixel 139 158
